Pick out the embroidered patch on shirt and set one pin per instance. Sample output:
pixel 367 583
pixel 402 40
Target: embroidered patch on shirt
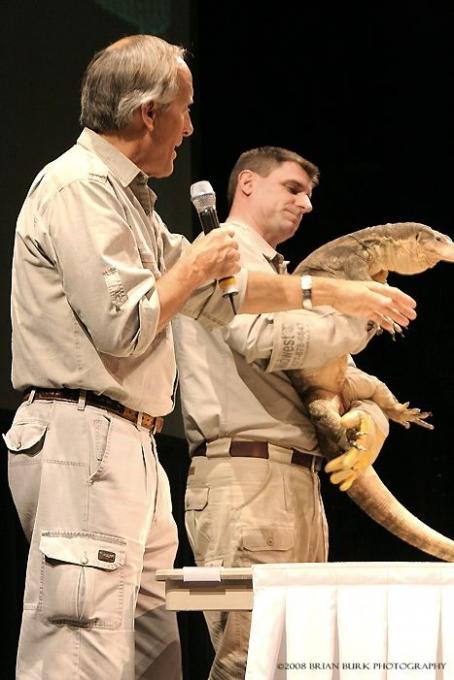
pixel 115 286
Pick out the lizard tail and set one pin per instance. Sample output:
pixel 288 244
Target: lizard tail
pixel 372 496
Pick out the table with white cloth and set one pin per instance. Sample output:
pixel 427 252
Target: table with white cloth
pixel 335 621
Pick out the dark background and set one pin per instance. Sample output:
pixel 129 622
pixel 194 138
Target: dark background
pixel 362 90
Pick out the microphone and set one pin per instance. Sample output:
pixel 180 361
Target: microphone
pixel 203 199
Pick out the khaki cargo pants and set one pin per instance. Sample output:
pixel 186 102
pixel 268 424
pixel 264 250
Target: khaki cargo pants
pixel 95 506
pixel 244 511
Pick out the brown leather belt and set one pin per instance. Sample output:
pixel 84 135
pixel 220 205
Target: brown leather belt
pixel 261 450
pixel 152 423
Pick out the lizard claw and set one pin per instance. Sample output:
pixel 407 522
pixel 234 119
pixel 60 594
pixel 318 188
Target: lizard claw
pixel 405 416
pixel 398 329
pixel 359 447
pixel 422 423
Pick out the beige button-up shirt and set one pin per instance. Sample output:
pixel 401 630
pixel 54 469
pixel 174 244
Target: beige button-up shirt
pixel 89 248
pixel 233 381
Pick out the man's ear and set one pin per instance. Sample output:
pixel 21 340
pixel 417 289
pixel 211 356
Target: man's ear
pixel 246 180
pixel 148 111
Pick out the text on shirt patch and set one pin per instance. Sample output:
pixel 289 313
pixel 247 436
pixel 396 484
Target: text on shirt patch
pixel 292 335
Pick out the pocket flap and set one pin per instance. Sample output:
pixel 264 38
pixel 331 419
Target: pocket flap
pixel 23 436
pixel 267 538
pixel 86 549
pixel 196 499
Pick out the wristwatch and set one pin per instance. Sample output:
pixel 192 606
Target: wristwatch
pixel 306 287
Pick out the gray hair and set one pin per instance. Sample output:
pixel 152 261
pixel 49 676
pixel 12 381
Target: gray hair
pixel 120 78
pixel 263 160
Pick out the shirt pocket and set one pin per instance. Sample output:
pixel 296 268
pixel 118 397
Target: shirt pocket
pixel 82 579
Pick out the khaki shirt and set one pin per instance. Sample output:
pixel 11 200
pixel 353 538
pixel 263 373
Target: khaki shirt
pixel 232 379
pixel 89 248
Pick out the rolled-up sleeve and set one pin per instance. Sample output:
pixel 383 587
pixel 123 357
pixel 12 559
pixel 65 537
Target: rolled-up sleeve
pixel 207 304
pixel 103 277
pixel 298 339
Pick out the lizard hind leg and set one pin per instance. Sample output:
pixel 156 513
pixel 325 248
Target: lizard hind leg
pixel 333 437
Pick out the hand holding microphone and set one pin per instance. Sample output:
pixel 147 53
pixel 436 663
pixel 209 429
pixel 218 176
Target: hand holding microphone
pixel 204 200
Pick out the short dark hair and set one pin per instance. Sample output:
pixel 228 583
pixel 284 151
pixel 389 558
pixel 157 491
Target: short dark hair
pixel 263 160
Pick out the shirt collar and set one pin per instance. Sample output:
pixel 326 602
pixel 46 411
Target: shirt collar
pixel 119 165
pixel 271 255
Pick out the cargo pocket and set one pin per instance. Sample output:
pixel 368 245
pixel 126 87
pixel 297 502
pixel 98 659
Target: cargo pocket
pixel 197 522
pixel 82 579
pixel 266 544
pixel 26 438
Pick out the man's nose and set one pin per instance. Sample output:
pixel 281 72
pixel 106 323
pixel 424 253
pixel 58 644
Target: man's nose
pixel 188 126
pixel 304 202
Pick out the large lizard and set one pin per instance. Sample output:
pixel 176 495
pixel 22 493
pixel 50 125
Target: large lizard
pixel 406 248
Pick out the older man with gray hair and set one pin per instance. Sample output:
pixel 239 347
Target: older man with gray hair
pixel 96 279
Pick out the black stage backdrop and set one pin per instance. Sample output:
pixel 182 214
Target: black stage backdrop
pixel 360 89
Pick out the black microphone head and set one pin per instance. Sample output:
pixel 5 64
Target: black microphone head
pixel 202 196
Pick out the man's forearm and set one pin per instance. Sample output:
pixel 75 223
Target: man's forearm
pixel 368 299
pixel 270 293
pixel 174 289
pixel 282 293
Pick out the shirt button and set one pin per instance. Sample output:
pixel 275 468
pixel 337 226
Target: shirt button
pixel 269 541
pixel 84 560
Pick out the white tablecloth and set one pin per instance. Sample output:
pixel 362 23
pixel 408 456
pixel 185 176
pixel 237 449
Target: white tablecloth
pixel 352 621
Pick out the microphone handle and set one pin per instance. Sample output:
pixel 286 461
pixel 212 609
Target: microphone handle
pixel 209 221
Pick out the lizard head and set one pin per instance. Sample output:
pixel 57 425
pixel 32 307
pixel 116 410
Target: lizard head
pixel 420 248
pixel 436 246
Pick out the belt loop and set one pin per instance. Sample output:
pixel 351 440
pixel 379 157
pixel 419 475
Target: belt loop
pixel 31 396
pixel 82 400
pixel 218 448
pixel 139 418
